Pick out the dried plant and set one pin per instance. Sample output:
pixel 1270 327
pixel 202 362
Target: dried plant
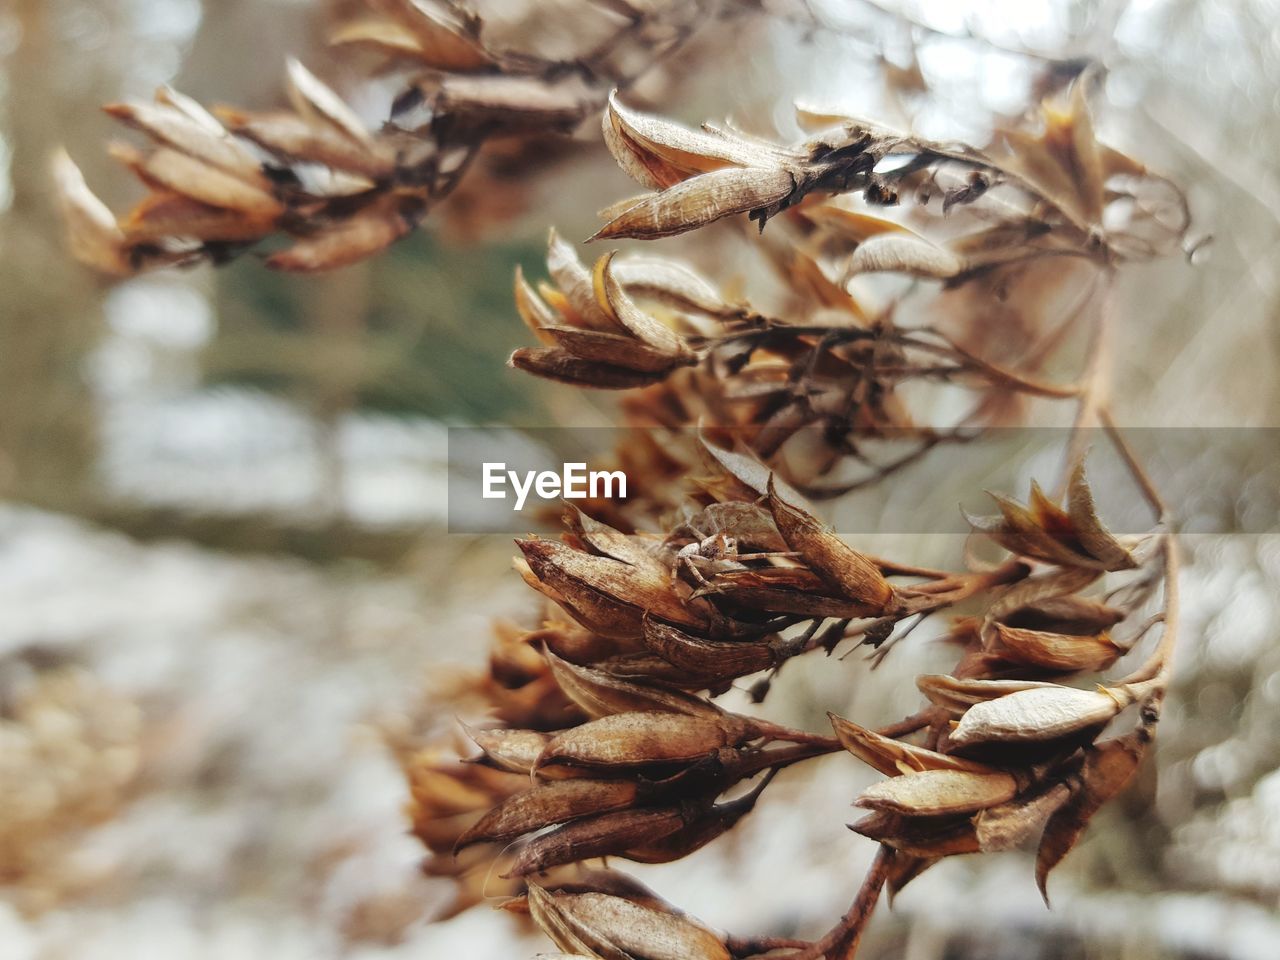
pixel 609 741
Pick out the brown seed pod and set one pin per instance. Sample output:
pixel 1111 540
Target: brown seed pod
pixel 641 739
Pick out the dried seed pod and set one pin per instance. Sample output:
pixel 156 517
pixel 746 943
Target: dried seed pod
pixel 514 750
pixel 707 658
pixel 607 926
pixel 957 695
pixel 553 363
pixel 644 739
pixel 348 241
pixel 671 283
pixel 1010 825
pixel 606 835
pixel 669 153
pixel 606 595
pixel 92 234
pixel 1071 538
pixel 192 137
pixel 1056 651
pixel 575 285
pixel 784 590
pixel 1108 768
pixel 699 201
pixel 925 837
pixel 933 793
pixel 177 172
pixel 613 300
pixel 1096 540
pixel 601 694
pixel 894 757
pixel 852 574
pixel 549 803
pixel 901 253
pixel 1041 714
pixel 290 137
pixel 313 99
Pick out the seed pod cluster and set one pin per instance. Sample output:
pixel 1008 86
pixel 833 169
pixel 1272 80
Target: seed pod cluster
pixel 1011 753
pixel 595 333
pixel 341 188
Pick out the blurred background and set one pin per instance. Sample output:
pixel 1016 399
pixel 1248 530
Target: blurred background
pixel 223 563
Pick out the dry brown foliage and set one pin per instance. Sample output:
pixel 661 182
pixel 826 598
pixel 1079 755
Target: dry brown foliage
pixel 608 739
